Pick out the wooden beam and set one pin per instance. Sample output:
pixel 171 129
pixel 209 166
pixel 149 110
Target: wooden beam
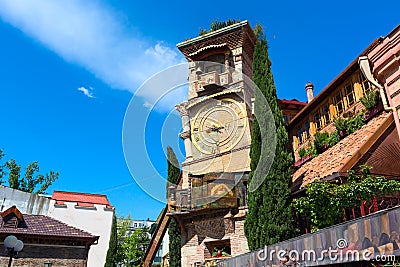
pixel 155 242
pixel 182 226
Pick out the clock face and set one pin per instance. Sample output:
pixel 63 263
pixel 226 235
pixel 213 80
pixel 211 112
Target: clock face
pixel 218 126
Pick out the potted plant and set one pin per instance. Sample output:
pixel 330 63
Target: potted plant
pixel 355 123
pixel 340 125
pixel 334 138
pixel 305 155
pixel 371 102
pixel 321 142
pixel 302 152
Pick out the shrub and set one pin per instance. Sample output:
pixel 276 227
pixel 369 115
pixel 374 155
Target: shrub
pixel 354 124
pixel 340 124
pixel 325 202
pixel 311 150
pixel 321 140
pixel 351 125
pixel 302 152
pixel 370 99
pixel 334 138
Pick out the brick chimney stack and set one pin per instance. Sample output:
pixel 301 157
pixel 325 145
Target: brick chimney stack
pixel 310 91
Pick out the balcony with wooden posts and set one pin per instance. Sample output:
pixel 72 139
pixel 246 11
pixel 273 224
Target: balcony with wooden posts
pixel 204 193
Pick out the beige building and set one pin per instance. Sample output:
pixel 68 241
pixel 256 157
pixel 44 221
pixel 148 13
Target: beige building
pixel 210 202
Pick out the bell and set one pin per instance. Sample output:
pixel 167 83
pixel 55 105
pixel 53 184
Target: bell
pixel 198 71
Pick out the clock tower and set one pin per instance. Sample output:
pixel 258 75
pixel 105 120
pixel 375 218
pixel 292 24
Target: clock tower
pixel 210 202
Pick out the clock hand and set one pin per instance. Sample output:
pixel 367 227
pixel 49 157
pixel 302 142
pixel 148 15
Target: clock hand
pixel 216 128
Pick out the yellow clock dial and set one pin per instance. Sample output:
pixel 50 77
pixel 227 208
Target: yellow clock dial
pixel 218 126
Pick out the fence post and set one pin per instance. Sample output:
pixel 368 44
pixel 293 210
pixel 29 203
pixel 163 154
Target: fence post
pixel 362 207
pixel 374 203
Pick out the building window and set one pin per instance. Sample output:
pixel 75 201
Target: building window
pixel 325 115
pixel 299 135
pixel 350 95
pixel 286 119
pixel 339 106
pixel 318 121
pixel 365 84
pixel 306 132
pixel 303 133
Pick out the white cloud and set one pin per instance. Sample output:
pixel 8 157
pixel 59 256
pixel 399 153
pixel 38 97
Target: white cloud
pixel 87 91
pixel 147 104
pixel 89 34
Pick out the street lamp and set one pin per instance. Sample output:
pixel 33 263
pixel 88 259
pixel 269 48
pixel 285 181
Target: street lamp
pixel 48 263
pixel 13 246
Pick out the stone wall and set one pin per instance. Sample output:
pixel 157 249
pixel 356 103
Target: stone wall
pixel 204 230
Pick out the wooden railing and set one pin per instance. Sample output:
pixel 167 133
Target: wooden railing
pixel 374 205
pixel 366 207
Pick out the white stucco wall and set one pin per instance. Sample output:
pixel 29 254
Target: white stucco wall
pixel 165 242
pixel 97 221
pixel 25 202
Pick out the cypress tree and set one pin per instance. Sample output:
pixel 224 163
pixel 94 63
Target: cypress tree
pixel 111 259
pixel 174 231
pixel 269 219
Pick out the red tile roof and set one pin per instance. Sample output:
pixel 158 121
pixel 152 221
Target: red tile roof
pixel 41 225
pixel 82 199
pixel 345 154
pixel 292 102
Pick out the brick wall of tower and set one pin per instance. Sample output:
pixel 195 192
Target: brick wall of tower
pixel 196 247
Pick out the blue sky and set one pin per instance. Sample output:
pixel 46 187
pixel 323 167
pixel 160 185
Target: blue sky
pixel 70 68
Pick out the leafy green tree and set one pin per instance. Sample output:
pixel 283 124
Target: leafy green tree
pixel 31 181
pixel 123 225
pixel 135 246
pixel 174 231
pixel 269 218
pixel 216 25
pixel 325 202
pixel 126 247
pixel 111 259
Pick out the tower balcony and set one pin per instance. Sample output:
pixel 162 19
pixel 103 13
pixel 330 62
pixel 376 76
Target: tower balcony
pixel 212 80
pixel 212 196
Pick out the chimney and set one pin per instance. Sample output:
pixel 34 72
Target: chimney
pixel 310 91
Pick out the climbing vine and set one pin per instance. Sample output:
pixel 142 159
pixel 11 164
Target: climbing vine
pixel 325 202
